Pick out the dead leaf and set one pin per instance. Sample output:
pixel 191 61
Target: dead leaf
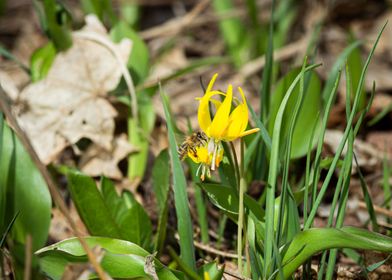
pixel 70 104
pixel 97 161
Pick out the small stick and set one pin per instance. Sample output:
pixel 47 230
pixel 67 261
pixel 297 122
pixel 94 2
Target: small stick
pixel 377 209
pixel 28 252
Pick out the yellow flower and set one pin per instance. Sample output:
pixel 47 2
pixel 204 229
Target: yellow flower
pixel 227 124
pixel 205 159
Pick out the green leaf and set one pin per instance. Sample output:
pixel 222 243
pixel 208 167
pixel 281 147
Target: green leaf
pixel 161 177
pixel 58 24
pixel 226 199
pixel 122 259
pixel 23 190
pixel 212 270
pixel 355 65
pixel 273 173
pixel 181 200
pixel 309 242
pixel 233 33
pixel 41 61
pixel 107 214
pixel 139 59
pixel 102 9
pixel 160 182
pixel 139 134
pixel 308 114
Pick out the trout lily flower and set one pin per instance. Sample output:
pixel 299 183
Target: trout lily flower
pixel 227 124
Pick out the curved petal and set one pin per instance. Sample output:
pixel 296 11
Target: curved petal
pixel 238 119
pixel 249 131
pixel 203 113
pixel 211 83
pixel 221 118
pixel 237 123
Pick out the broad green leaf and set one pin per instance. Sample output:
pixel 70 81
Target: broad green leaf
pixel 107 214
pixel 226 199
pixel 132 219
pixel 139 59
pixel 161 178
pixel 185 229
pixel 309 242
pixel 307 117
pixel 23 190
pixel 41 61
pixel 122 259
pixel 160 183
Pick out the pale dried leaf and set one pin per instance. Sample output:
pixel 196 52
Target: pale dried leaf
pixel 97 161
pixel 8 85
pixel 69 104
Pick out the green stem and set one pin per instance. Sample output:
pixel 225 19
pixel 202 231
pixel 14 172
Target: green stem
pixel 241 210
pixel 236 166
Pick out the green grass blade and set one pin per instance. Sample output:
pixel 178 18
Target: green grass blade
pixel 185 230
pixel 385 182
pixel 367 197
pixel 200 204
pixel 336 69
pixel 287 154
pixel 273 174
pixel 8 229
pixel 263 130
pixel 380 115
pixel 345 135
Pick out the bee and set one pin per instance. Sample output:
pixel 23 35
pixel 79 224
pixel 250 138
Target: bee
pixel 190 144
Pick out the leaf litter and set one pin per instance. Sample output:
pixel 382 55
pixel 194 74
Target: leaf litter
pixel 70 103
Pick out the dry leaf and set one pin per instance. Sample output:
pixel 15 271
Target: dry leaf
pixel 8 85
pixel 97 161
pixel 70 104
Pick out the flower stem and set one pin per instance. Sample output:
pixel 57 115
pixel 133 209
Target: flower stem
pixel 241 210
pixel 236 166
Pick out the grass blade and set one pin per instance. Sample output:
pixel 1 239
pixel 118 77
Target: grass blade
pixel 345 135
pixel 185 230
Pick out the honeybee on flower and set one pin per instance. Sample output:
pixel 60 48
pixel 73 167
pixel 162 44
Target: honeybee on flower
pixel 225 125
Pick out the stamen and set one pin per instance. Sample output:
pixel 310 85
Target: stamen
pixel 198 170
pixel 214 157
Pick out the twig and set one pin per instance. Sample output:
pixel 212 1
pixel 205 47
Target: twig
pixel 235 275
pixel 175 26
pixel 28 252
pixel 283 53
pixel 377 209
pixel 214 251
pixel 58 200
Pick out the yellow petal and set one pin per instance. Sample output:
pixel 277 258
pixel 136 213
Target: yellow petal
pixel 249 131
pixel 237 123
pixel 211 83
pixel 203 113
pixel 221 118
